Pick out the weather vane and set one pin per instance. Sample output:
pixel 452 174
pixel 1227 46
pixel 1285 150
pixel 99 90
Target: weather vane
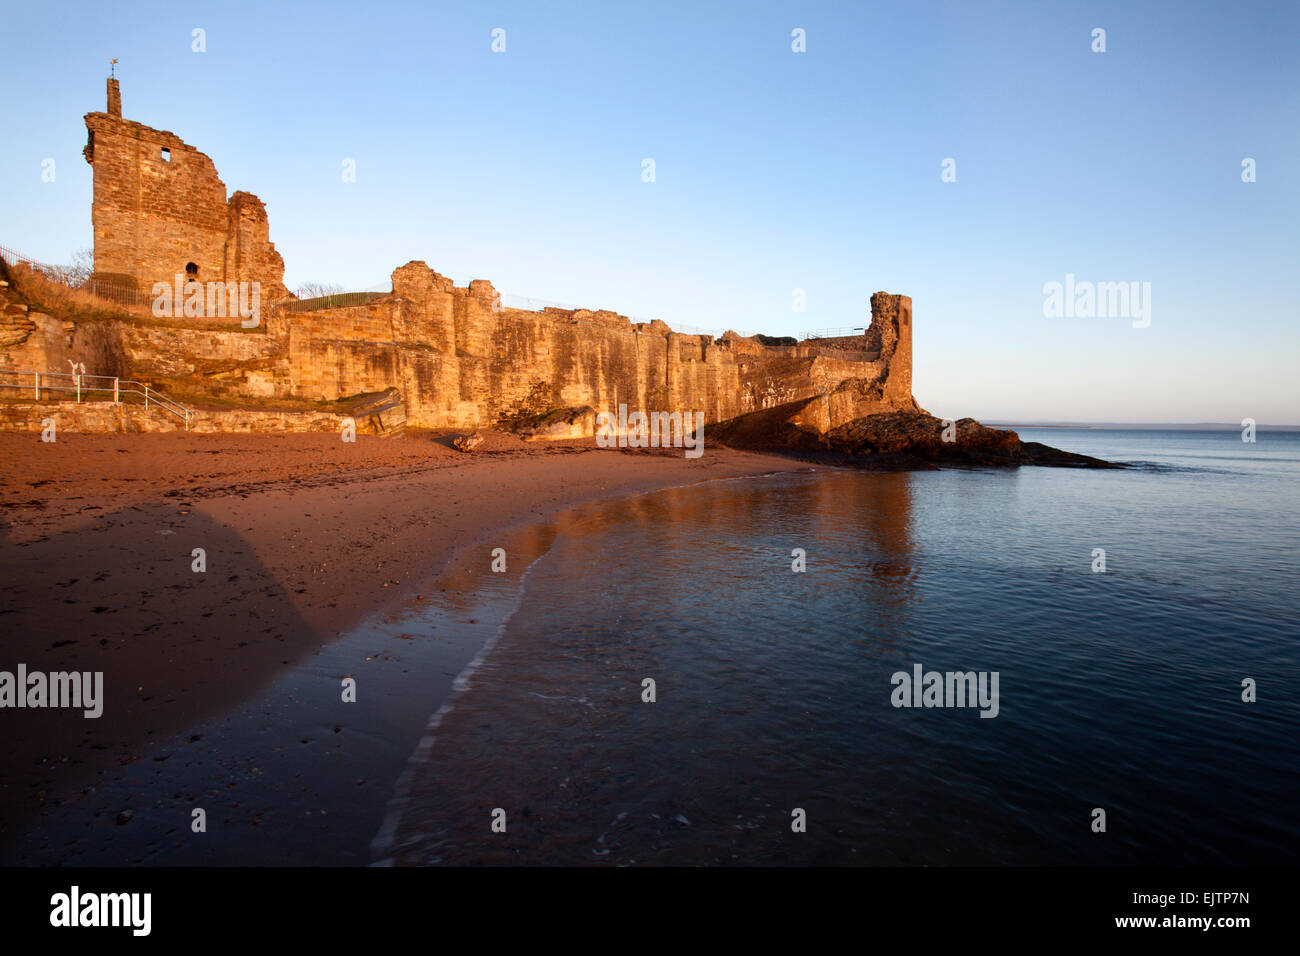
pixel 112 68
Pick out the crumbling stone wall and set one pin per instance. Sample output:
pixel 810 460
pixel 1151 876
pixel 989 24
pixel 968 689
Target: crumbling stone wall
pixel 891 333
pixel 250 255
pixel 462 360
pixel 159 206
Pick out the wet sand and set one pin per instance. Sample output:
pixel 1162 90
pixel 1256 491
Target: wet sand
pixel 304 537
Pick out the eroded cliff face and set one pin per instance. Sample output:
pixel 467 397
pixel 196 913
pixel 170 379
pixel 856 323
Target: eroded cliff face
pixel 462 360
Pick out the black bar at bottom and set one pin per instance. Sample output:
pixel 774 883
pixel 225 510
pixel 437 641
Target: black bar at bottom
pixel 333 905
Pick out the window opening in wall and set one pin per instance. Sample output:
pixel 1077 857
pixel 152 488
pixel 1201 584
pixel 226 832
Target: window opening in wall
pixel 166 155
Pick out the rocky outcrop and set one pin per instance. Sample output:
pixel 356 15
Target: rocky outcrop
pixel 891 440
pixel 921 436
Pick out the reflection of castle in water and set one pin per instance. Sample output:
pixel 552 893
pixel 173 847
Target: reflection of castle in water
pixel 759 671
pixel 887 501
pixel 858 525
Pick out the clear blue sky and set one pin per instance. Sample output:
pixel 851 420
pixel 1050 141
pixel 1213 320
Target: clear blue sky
pixel 775 170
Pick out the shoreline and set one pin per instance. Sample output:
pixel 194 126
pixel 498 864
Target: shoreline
pixel 382 845
pixel 179 648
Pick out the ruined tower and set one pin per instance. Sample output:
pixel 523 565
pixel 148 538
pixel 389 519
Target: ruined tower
pixel 891 322
pixel 160 210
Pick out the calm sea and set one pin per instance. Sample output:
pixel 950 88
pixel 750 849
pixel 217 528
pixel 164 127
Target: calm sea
pixel 1119 691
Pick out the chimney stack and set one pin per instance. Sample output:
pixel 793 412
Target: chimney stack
pixel 114 98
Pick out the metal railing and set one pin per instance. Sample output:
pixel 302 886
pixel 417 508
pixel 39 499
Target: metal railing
pixel 82 384
pixel 12 259
pixel 832 333
pixel 114 292
pixel 78 280
pixel 334 300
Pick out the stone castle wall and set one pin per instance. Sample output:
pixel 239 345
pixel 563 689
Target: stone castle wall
pixel 102 417
pixel 460 360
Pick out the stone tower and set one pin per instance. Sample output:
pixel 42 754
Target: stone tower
pixel 891 330
pixel 160 210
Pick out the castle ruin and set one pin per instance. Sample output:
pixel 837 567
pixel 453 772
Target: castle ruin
pixel 458 358
pixel 160 211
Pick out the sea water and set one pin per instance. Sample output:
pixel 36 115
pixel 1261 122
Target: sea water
pixel 1142 624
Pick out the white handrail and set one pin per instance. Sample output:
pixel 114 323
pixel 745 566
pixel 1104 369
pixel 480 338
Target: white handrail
pixel 77 383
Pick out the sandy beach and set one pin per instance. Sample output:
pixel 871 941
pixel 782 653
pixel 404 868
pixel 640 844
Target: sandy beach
pixel 303 537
